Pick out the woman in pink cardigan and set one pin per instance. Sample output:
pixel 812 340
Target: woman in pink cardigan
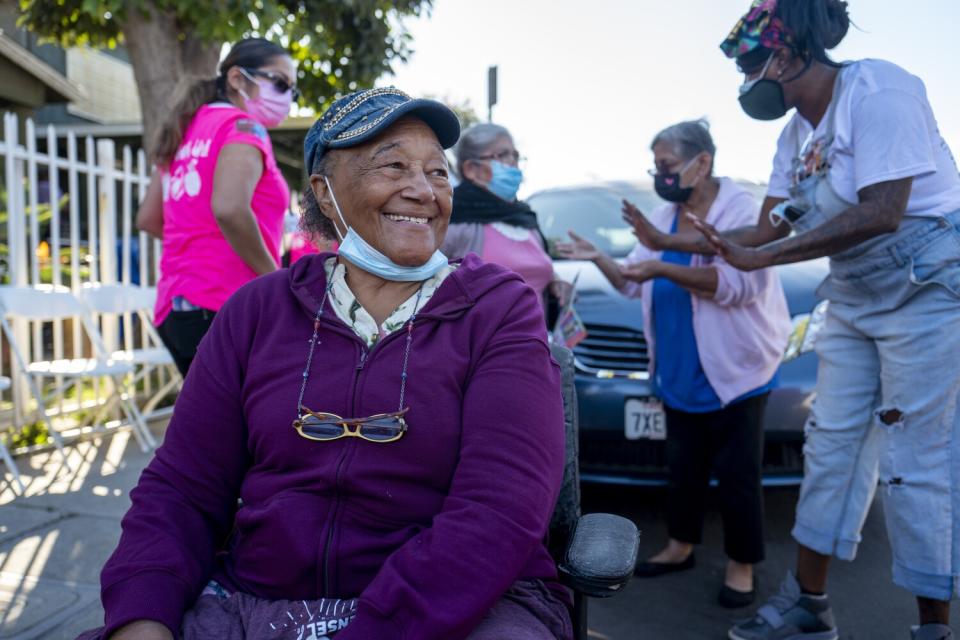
pixel 716 338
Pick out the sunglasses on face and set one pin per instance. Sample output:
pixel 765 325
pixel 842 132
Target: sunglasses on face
pixel 279 82
pixel 324 427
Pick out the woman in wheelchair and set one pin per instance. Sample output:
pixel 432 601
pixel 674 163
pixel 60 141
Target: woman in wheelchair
pixel 391 423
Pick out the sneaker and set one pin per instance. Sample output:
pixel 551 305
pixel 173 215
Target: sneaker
pixel 789 615
pixel 931 632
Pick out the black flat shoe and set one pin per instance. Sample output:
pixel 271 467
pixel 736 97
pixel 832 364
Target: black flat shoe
pixel 733 599
pixel 654 569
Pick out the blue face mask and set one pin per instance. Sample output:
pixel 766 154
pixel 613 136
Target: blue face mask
pixel 505 181
pixel 364 256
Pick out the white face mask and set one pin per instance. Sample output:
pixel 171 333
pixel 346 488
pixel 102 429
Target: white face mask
pixel 364 256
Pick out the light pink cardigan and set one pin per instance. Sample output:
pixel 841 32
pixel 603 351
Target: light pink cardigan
pixel 742 332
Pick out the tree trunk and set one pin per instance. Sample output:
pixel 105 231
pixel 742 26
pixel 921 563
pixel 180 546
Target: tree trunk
pixel 159 59
pixel 200 57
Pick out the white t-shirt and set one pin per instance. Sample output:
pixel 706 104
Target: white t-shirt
pixel 884 130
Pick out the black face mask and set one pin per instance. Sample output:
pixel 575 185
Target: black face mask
pixel 667 186
pixel 764 100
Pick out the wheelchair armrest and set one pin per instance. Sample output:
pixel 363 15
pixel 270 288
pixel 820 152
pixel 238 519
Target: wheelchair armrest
pixel 601 555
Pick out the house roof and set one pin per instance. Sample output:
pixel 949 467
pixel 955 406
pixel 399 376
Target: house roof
pixel 50 77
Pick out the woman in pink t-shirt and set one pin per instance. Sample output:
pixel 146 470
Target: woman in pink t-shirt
pixel 220 199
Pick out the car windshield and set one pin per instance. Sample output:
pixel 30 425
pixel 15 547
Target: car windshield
pixel 593 212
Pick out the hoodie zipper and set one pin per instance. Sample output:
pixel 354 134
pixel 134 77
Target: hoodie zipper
pixel 358 370
pixel 365 355
pixel 336 478
pixel 330 530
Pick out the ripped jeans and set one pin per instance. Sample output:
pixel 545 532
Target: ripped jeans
pixel 886 408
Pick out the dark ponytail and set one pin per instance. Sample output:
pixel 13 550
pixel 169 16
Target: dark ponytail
pixel 192 93
pixel 195 91
pixel 816 27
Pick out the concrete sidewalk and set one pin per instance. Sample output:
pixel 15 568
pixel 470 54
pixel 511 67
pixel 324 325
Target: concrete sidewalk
pixel 55 538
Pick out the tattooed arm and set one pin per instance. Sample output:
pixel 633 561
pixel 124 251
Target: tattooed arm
pixel 879 211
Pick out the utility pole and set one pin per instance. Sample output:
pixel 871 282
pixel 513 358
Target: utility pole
pixel 491 91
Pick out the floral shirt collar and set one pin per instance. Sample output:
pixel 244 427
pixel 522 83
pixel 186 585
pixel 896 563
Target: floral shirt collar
pixel 348 308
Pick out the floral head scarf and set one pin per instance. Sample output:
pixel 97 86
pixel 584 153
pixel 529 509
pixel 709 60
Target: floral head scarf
pixel 758 28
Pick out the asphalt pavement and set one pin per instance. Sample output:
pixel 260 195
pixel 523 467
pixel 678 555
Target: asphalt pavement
pixel 682 606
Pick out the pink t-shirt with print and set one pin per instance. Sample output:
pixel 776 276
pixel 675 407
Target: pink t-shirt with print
pixel 197 261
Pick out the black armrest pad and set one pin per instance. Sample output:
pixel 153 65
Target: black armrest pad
pixel 601 555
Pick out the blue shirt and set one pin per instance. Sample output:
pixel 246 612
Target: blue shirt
pixel 680 380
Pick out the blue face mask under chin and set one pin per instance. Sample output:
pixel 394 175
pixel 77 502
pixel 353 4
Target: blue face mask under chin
pixel 505 181
pixel 364 256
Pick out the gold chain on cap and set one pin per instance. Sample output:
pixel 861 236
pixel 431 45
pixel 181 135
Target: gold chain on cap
pixel 359 100
pixel 353 133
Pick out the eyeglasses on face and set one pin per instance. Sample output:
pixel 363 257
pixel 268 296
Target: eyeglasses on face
pixel 508 156
pixel 667 169
pixel 279 82
pixel 324 427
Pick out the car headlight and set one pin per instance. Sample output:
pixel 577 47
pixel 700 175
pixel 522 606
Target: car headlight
pixel 806 327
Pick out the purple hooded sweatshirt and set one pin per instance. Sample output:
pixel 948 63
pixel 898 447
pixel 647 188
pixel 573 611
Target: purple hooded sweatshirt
pixel 427 531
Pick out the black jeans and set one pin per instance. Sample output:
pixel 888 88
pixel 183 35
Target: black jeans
pixel 181 333
pixel 728 442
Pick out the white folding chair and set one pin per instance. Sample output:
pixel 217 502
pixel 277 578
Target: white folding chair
pixel 120 299
pixel 46 303
pixel 4 452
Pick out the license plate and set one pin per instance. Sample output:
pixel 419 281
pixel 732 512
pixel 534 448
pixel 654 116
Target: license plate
pixel 644 419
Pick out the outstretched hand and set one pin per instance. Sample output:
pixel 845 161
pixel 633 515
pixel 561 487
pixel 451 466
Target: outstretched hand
pixel 640 272
pixel 648 235
pixel 579 249
pixel 739 256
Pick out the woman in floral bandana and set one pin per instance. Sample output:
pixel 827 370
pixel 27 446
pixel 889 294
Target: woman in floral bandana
pixel 863 176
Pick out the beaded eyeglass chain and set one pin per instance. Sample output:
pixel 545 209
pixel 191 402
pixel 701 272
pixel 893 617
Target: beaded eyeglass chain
pixel 314 339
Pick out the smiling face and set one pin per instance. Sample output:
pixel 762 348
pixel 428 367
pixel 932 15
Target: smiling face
pixel 393 190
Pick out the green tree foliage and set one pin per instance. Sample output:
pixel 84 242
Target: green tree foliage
pixel 464 109
pixel 340 45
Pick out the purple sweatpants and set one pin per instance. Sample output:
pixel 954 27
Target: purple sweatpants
pixel 528 611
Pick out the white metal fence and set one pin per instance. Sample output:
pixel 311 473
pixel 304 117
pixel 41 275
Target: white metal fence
pixel 67 209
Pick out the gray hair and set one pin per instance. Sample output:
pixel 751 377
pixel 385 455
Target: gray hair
pixel 312 220
pixel 475 140
pixel 688 139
